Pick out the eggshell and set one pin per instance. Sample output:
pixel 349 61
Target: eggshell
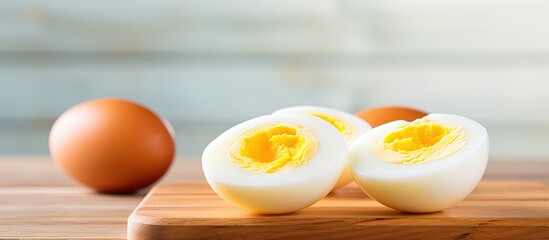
pixel 112 145
pixel 381 115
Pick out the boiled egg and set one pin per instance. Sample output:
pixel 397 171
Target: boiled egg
pixel 275 164
pixel 426 165
pixel 349 125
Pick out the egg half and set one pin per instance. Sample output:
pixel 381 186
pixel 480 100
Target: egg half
pixel 349 125
pixel 275 164
pixel 426 165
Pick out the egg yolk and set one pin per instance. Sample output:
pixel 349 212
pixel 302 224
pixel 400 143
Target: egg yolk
pixel 421 141
pixel 341 126
pixel 273 148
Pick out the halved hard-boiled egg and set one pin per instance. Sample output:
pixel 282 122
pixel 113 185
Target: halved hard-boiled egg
pixel 349 125
pixel 422 166
pixel 275 164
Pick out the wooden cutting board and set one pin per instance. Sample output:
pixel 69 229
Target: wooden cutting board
pixel 497 209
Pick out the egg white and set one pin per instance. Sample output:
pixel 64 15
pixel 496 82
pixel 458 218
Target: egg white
pixel 281 192
pixel 422 187
pixel 358 125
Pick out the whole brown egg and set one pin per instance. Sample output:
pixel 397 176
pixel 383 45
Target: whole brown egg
pixel 112 145
pixel 381 115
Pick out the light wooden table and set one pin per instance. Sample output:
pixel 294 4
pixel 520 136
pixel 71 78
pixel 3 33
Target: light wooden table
pixel 37 201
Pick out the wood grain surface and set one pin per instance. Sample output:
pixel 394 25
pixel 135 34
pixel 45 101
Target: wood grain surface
pixel 37 201
pixel 497 209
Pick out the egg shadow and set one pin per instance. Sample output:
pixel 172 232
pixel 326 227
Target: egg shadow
pixel 138 192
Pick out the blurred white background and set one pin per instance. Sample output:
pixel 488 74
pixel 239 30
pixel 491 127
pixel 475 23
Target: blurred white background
pixel 207 65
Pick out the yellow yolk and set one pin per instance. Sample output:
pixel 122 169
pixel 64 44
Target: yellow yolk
pixel 421 141
pixel 341 126
pixel 273 148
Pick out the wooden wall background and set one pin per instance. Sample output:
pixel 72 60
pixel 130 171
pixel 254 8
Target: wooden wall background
pixel 207 65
